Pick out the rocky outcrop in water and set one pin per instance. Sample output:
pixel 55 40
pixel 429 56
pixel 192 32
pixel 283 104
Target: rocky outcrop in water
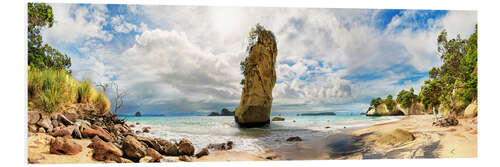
pixel 260 78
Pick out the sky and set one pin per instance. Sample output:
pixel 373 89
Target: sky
pixel 185 60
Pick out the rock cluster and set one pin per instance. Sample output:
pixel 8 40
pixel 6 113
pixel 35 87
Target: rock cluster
pixel 112 139
pixel 260 78
pixel 446 121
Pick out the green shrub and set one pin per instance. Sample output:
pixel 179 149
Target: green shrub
pixel 50 89
pixel 84 92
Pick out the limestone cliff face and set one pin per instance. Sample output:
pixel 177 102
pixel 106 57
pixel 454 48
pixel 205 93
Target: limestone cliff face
pixel 260 78
pixel 382 110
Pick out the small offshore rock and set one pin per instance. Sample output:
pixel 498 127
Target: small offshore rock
pixel 293 139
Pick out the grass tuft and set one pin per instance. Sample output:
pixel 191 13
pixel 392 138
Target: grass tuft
pixel 50 89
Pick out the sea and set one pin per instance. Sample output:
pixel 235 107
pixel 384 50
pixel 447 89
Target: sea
pixel 204 130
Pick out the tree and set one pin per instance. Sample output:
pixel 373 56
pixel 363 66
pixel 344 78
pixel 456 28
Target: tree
pixel 406 98
pixel 40 54
pixel 104 86
pixel 388 102
pixel 120 94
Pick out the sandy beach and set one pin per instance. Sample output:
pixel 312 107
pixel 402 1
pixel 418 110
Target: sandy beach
pixel 429 142
pixel 361 143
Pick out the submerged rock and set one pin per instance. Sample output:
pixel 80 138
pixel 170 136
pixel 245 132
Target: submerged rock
pixel 260 78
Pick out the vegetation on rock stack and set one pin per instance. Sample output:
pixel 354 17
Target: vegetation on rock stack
pixel 50 84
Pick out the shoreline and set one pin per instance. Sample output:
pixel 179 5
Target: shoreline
pixel 351 143
pixel 361 143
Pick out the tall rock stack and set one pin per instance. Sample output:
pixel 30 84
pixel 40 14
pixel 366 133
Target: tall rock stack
pixel 260 77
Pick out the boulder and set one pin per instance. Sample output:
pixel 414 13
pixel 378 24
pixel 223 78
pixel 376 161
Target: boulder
pixel 63 131
pixel 105 151
pixel 64 146
pixel 33 117
pixel 293 139
pixel 398 136
pixel 154 155
pixel 278 119
pixel 45 123
pixel 185 158
pixel 151 143
pixel 95 130
pixel 202 153
pixel 133 148
pixel 471 110
pixel 170 149
pixel 185 147
pixel 260 77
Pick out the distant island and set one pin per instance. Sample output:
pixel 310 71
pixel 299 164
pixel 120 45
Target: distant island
pixel 223 112
pixel 138 114
pixel 317 114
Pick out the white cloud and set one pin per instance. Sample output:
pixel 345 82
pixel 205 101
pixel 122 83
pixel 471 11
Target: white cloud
pixel 75 23
pixel 193 53
pixel 122 26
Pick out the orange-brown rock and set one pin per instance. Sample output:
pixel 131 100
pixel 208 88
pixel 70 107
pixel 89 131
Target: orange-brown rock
pixel 185 147
pixel 64 146
pixel 105 151
pixel 260 78
pixel 97 131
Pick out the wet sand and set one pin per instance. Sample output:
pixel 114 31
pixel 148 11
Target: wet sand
pixel 430 142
